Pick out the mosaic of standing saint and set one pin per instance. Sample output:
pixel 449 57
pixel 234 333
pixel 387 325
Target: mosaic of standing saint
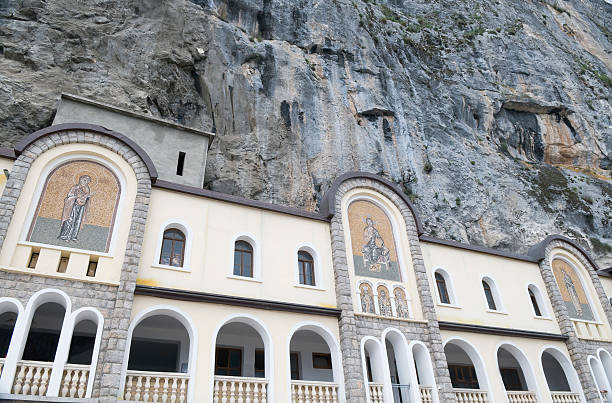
pixel 374 253
pixel 77 207
pixel 573 294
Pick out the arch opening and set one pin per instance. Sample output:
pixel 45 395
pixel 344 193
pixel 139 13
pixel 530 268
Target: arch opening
pixel 462 370
pixel 7 326
pixel 511 371
pixel 601 381
pixel 310 357
pixel 83 342
pixel 399 368
pixel 240 351
pixel 160 343
pixel 44 333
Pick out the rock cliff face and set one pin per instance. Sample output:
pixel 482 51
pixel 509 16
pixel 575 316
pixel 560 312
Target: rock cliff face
pixel 494 117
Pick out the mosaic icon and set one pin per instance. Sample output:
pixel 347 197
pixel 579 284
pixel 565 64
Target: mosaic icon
pixel 573 294
pixel 77 207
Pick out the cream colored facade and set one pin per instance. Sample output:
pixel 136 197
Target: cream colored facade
pixel 166 315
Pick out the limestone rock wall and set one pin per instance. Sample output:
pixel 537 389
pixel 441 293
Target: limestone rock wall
pixel 494 117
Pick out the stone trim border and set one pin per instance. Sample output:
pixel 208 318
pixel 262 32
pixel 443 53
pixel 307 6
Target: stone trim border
pixel 107 377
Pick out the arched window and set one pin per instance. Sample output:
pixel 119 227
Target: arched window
pixel 306 268
pixel 534 302
pixel 367 298
pixel 243 259
pixel 442 289
pixel 173 248
pixel 489 295
pixel 384 301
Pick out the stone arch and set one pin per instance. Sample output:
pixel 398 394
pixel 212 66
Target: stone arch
pixel 331 207
pixel 27 151
pixel 606 361
pixel 424 367
pixel 599 376
pixel 470 350
pixel 400 368
pixel 334 348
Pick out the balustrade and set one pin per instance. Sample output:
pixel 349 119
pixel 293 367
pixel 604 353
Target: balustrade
pixel 376 392
pixel 426 394
pixel 314 392
pixel 74 381
pixel 471 395
pixel 32 378
pixel 565 397
pixel 521 397
pixel 144 386
pixel 234 389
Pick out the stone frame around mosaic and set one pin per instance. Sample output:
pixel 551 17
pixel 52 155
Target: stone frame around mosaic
pixel 578 349
pixel 353 327
pixel 107 381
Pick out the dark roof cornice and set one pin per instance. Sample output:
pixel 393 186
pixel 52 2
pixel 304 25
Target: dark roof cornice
pixel 538 251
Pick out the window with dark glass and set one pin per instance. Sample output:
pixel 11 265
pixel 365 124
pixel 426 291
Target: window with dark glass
pixel 534 302
pixel 442 290
pixel 306 268
pixel 463 376
pixel 228 361
pixel 243 259
pixel 33 260
pixel 321 361
pixel 173 248
pixel 489 295
pixel 260 363
pixel 294 359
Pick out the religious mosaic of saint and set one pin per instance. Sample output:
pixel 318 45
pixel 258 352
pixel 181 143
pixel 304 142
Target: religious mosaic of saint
pixel 77 207
pixel 373 244
pixel 572 292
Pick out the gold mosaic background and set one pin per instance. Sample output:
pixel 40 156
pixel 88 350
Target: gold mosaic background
pixel 104 189
pixel 558 266
pixel 357 212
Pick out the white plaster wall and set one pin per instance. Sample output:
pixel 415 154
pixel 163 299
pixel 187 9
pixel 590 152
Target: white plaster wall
pixel 214 227
pixel 512 278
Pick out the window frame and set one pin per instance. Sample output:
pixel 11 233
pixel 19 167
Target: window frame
pixel 496 296
pixel 243 252
pixel 489 295
pixel 186 230
pixel 539 296
pixel 172 249
pixel 450 288
pixel 256 258
pixel 228 349
pixel 302 267
pixel 326 356
pixel 442 288
pixel 316 268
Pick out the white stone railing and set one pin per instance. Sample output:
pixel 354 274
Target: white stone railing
pixel 32 378
pixel 521 397
pixel 565 397
pixel 74 381
pixel 376 392
pixel 314 392
pixel 471 395
pixel 144 386
pixel 426 394
pixel 237 389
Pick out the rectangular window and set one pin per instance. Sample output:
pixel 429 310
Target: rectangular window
pixel 321 361
pixel 63 265
pixel 228 361
pixel 33 260
pixel 463 376
pixel 180 163
pixel 294 358
pixel 260 363
pixel 91 268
